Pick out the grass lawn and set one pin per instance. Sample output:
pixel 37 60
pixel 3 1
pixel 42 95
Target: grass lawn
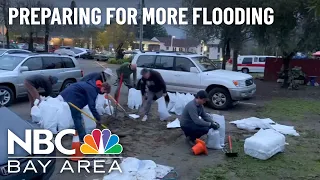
pixel 301 158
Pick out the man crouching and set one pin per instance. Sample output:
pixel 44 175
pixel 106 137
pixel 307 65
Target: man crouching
pixel 192 125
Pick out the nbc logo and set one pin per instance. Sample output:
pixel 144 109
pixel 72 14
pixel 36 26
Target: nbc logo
pixel 101 142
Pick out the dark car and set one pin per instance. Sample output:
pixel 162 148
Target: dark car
pixel 10 120
pixel 88 55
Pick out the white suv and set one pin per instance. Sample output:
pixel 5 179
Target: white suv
pixel 189 73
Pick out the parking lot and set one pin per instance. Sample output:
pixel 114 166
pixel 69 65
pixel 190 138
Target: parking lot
pixel 152 140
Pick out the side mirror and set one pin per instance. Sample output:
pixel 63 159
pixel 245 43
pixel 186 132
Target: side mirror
pixel 24 68
pixel 194 70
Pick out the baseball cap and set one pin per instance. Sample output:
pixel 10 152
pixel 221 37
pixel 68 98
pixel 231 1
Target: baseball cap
pixel 144 71
pixel 202 95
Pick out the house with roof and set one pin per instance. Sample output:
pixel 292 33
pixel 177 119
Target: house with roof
pixel 211 49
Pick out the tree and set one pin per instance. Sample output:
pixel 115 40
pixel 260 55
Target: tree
pixel 231 36
pixel 295 28
pixel 4 5
pixel 116 34
pixel 151 31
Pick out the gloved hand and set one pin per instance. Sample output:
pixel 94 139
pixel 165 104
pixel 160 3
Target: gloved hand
pixel 214 125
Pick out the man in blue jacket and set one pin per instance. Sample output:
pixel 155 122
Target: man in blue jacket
pixel 81 94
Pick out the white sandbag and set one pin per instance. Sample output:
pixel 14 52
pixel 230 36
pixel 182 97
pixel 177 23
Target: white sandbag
pixel 180 104
pixel 65 120
pixel 35 112
pixel 253 123
pixel 137 99
pixel 109 110
pixel 172 101
pixel 162 109
pixel 264 144
pixel 100 102
pixel 131 98
pixel 49 119
pixel 286 130
pixel 89 124
pixel 213 140
pixel 174 124
pixel 222 130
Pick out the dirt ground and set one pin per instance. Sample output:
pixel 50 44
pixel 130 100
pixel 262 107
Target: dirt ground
pixel 152 140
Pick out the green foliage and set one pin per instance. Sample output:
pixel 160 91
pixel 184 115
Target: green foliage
pixel 150 31
pixel 119 61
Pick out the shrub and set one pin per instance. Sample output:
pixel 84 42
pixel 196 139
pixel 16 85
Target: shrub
pixel 119 61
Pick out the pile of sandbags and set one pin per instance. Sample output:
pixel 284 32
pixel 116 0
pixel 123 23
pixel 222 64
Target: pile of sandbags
pixel 178 101
pixel 134 169
pixel 52 113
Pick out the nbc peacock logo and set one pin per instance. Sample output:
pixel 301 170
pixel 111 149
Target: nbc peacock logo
pixel 101 142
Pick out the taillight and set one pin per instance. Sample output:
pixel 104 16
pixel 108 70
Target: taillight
pixel 81 73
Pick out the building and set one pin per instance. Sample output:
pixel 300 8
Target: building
pixel 147 45
pixel 211 49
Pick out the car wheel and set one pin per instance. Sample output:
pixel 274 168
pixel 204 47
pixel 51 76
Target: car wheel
pixel 220 98
pixel 7 96
pixel 245 70
pixel 67 83
pixel 98 60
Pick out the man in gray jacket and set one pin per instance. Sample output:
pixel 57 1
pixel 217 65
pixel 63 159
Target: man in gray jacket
pixel 192 125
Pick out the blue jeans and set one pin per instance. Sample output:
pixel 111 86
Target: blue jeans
pixel 77 120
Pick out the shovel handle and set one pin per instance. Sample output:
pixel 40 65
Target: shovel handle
pixel 74 106
pixel 230 143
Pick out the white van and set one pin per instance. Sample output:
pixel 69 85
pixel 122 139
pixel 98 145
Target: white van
pixel 252 63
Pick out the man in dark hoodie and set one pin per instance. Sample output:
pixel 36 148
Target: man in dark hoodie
pixel 81 94
pixel 156 88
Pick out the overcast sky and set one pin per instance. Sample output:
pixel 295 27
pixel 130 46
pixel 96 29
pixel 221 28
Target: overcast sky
pixel 125 3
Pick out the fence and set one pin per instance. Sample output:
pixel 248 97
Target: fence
pixel 311 67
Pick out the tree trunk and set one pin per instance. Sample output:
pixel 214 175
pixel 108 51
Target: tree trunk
pixel 30 48
pixel 234 61
pixel 46 37
pixel 286 68
pixel 224 59
pixel 7 37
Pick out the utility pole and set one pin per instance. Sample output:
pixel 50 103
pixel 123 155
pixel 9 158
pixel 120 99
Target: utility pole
pixel 141 25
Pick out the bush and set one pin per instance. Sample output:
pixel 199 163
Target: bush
pixel 119 61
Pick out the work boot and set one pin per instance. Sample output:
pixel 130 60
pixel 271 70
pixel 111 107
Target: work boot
pixel 145 118
pixel 190 141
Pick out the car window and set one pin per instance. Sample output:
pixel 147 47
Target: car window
pixel 68 62
pixel 256 59
pixel 262 59
pixel 146 61
pixel 34 63
pixel 183 64
pixel 247 60
pixel 164 62
pixel 76 51
pixel 10 62
pixel 52 63
pixel 204 63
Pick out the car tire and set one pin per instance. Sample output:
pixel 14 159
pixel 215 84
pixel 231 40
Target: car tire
pixel 219 98
pixel 98 60
pixel 8 93
pixel 67 83
pixel 245 70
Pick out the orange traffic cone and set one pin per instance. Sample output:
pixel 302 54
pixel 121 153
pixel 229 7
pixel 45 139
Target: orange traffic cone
pixel 76 145
pixel 200 147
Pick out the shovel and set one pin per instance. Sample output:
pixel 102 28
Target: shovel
pixel 230 154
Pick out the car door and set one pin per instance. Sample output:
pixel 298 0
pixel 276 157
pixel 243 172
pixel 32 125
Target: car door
pixel 144 61
pixel 184 80
pixel 262 62
pixel 53 66
pixel 164 65
pixel 246 64
pixel 256 65
pixel 34 65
